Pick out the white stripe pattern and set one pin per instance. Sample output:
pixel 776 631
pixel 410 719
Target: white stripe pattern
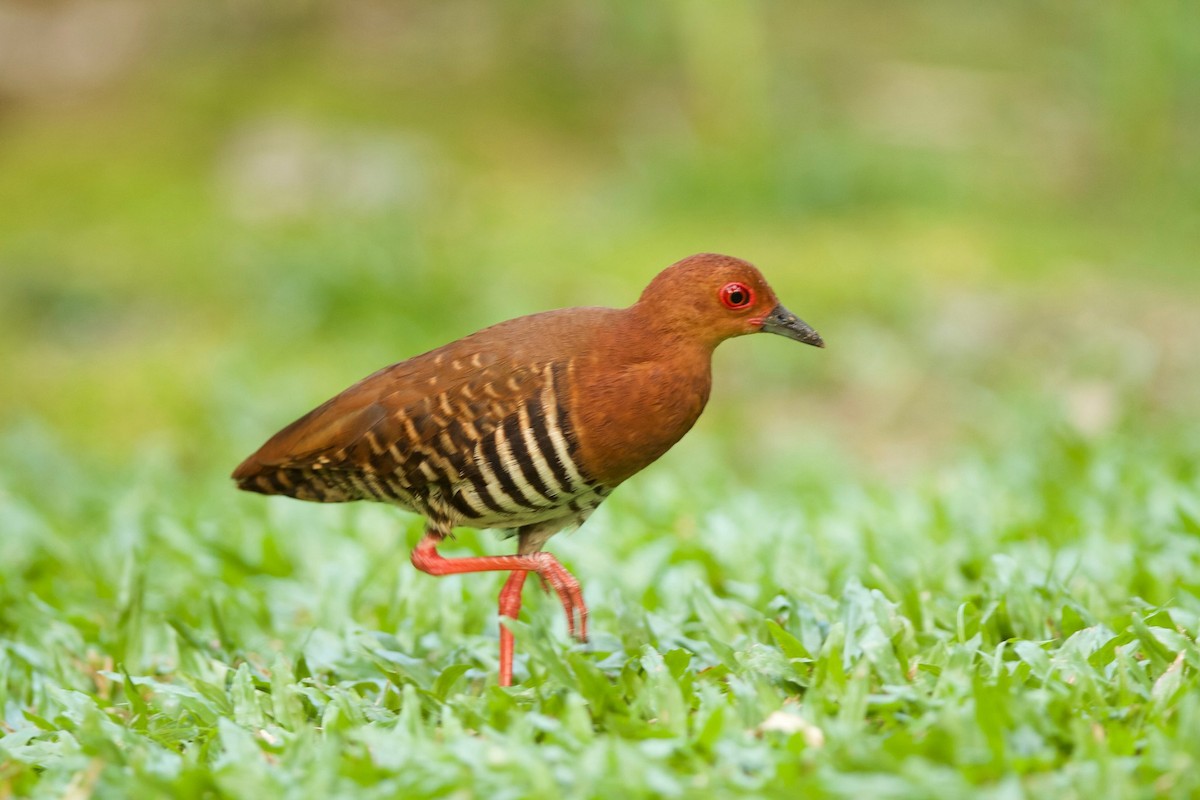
pixel 561 449
pixel 540 465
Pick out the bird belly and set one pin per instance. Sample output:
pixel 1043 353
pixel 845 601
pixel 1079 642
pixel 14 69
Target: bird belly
pixel 481 509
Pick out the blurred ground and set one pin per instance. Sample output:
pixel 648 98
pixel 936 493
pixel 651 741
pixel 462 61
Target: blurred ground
pixel 215 215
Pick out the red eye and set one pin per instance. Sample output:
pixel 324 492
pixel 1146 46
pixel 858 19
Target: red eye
pixel 736 295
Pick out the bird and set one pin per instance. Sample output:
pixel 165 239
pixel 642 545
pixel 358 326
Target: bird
pixel 528 425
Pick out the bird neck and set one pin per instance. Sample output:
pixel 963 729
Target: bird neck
pixel 645 381
pixel 671 329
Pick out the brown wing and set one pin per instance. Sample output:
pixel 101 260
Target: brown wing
pixel 398 434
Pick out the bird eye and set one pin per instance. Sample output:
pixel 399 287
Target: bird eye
pixel 736 295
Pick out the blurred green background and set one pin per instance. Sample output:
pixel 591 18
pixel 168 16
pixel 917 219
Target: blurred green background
pixel 215 215
pixel 960 545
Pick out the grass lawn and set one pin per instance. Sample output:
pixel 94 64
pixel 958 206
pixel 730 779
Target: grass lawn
pixel 1015 624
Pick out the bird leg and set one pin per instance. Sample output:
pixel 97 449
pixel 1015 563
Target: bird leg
pixel 426 558
pixel 510 606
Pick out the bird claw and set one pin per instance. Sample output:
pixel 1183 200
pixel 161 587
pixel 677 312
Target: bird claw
pixel 555 576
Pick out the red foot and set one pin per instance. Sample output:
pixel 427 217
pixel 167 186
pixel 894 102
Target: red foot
pixel 510 606
pixel 426 558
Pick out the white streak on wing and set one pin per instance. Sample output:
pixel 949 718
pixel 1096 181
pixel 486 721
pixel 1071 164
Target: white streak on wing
pixel 471 498
pixel 493 483
pixel 531 495
pixel 540 465
pixel 561 449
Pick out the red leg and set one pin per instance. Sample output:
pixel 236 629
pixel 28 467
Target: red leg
pixel 510 606
pixel 426 558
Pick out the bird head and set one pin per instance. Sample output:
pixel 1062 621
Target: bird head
pixel 713 297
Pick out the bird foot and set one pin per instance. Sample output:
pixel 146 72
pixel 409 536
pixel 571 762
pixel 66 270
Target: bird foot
pixel 555 576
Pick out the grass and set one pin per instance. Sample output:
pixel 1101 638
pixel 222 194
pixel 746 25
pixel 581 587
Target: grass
pixel 953 555
pixel 1018 626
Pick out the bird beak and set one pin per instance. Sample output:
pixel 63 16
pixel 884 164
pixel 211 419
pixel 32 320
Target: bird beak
pixel 785 323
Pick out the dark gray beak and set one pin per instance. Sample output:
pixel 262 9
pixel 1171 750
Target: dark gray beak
pixel 785 323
